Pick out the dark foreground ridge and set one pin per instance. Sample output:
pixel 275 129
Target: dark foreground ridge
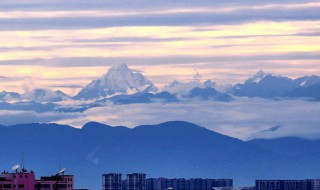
pixel 171 149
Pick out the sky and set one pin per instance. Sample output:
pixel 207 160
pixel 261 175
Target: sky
pixel 66 44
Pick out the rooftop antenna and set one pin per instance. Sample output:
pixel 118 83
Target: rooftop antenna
pixel 22 161
pixel 61 172
pixel 22 164
pixel 59 163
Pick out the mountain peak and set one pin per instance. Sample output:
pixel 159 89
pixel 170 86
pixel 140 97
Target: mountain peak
pixel 261 72
pixel 174 83
pixel 307 81
pixel 209 84
pixel 45 95
pixel 121 66
pixel 119 79
pixel 93 124
pixel 257 77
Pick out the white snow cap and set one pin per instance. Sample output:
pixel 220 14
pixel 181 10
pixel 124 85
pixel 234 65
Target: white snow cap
pixel 258 77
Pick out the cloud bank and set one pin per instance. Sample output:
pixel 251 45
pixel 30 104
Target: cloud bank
pixel 243 118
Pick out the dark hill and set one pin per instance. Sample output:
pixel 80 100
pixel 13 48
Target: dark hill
pixel 171 149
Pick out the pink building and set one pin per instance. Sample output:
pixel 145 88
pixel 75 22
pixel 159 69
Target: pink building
pixel 24 180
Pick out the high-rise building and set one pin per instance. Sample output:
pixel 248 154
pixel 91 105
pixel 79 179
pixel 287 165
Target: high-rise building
pixel 172 184
pixel 157 183
pixel 313 184
pixel 112 181
pixel 198 184
pixel 308 184
pixel 136 181
pixel 222 183
pixel 187 184
pixel 183 184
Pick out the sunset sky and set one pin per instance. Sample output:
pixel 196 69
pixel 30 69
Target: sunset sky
pixel 65 44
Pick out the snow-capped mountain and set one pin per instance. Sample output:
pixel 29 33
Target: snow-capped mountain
pixel 45 95
pixel 209 84
pixel 10 96
pixel 265 85
pixel 118 80
pixel 181 88
pixel 36 95
pixel 308 88
pixel 208 94
pixel 257 77
pixel 307 81
pixel 311 92
pixel 187 89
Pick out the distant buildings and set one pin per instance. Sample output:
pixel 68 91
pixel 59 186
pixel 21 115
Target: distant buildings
pixel 187 184
pixel 233 188
pixel 112 181
pixel 138 181
pixel 308 184
pixel 24 180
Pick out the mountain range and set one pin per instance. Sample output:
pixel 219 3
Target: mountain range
pixel 267 85
pixel 171 149
pixel 37 95
pixel 122 85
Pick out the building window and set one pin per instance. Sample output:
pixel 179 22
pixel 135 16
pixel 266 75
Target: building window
pixel 21 185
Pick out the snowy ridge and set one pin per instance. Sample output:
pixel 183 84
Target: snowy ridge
pixel 45 95
pixel 257 77
pixel 118 80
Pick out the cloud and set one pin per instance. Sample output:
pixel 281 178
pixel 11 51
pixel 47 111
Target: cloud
pixel 92 156
pixel 20 117
pixel 66 86
pixel 271 35
pixel 130 39
pixel 160 60
pixel 131 4
pixel 108 14
pixel 11 79
pixel 271 129
pixel 182 19
pixel 244 118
